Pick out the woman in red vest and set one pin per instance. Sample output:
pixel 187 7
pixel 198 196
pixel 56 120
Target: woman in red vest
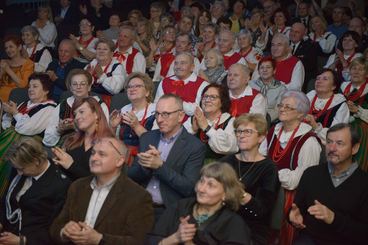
pixel 327 107
pixel 293 147
pixel 356 93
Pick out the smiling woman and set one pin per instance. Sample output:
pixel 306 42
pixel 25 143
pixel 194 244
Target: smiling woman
pixel 29 118
pixel 209 218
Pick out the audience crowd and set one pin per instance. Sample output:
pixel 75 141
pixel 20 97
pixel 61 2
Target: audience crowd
pixel 197 122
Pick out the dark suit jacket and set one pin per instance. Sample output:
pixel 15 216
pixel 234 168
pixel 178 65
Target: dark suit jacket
pixel 69 25
pixel 60 81
pixel 125 217
pixel 307 52
pixel 180 171
pixel 40 204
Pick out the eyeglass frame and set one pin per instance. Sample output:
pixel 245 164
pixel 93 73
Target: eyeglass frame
pixel 286 107
pixel 165 114
pixel 240 132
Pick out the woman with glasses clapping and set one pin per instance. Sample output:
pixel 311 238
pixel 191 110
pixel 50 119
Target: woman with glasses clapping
pixel 212 123
pixel 137 117
pixel 257 173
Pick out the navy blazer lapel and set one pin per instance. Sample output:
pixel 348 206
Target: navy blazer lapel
pixel 111 199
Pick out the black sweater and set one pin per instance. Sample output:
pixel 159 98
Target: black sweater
pixel 349 202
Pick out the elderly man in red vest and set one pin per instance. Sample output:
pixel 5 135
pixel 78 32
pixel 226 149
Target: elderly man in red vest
pixel 244 99
pixel 185 83
pixel 130 57
pixel 289 69
pixel 165 65
pixel 226 43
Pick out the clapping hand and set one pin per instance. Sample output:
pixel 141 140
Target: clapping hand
pixel 296 217
pixel 186 231
pixel 65 125
pixel 353 108
pixel 150 158
pixel 200 118
pixel 10 107
pixel 8 238
pixel 62 157
pixel 321 212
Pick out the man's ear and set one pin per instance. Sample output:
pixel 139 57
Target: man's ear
pixel 355 148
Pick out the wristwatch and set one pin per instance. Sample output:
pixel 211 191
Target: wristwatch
pixel 80 48
pixel 207 129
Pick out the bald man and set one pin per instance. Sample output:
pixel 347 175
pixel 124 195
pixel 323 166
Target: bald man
pixel 107 207
pixel 131 58
pixel 59 69
pixel 305 50
pixel 244 99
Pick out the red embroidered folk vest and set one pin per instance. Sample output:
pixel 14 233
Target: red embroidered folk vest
pixel 243 104
pixel 230 60
pixel 166 60
pixel 187 92
pixel 284 69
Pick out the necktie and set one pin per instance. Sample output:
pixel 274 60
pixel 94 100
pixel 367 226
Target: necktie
pixel 293 50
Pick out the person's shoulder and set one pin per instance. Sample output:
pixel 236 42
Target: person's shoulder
pixel 150 135
pixel 132 189
pixel 194 141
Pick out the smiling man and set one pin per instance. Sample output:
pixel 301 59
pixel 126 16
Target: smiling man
pixel 169 158
pixel 107 207
pixel 185 83
pixel 331 200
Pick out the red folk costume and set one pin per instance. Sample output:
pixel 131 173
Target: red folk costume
pixel 286 158
pixel 284 69
pixel 230 60
pixel 129 60
pixel 243 104
pixel 166 60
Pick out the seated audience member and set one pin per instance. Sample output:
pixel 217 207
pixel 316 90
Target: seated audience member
pixel 66 15
pixel 237 17
pixel 244 99
pixel 113 31
pixel 96 12
pixel 59 69
pixel 86 42
pixel 35 195
pixel 209 217
pixel 303 14
pixel 107 73
pixel 289 69
pixel 279 24
pixel 144 36
pixel 157 9
pixel 15 70
pixel 212 123
pixel 129 57
pixel 346 52
pixel 161 52
pixel 358 25
pixel 137 117
pixel 35 51
pixel 226 43
pixel 61 123
pixel 327 108
pixel 224 24
pixel 305 50
pixel 247 51
pixel 28 118
pixel 185 83
pixel 271 88
pixel 319 34
pixel 215 70
pixel 356 93
pixel 257 173
pixel 217 10
pixel 45 26
pixel 107 207
pixel 91 124
pixel 185 26
pixel 337 27
pixel 166 165
pixel 255 23
pixel 293 147
pixel 315 212
pixel 209 39
pixel 166 64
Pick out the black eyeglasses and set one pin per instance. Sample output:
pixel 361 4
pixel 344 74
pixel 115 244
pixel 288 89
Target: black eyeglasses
pixel 210 97
pixel 165 114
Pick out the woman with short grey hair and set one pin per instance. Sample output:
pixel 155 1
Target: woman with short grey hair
pixel 34 50
pixel 292 146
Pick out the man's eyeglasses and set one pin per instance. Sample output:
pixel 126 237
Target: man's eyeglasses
pixel 210 97
pixel 246 132
pixel 285 107
pixel 165 114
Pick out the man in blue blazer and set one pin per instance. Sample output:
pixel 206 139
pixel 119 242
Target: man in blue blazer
pixel 169 158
